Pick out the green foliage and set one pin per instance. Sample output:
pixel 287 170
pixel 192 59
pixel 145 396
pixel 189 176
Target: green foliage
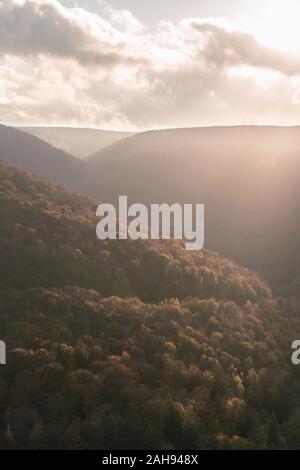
pixel 121 345
pixel 92 372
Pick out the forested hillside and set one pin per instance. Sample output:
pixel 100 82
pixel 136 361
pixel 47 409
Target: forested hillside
pixel 48 238
pixel 87 372
pixel 127 345
pixel 248 177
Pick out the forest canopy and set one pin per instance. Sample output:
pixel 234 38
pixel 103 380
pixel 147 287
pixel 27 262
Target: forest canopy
pixel 136 344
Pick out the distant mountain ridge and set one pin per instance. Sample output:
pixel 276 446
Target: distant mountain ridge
pixel 218 138
pixel 80 142
pixel 26 151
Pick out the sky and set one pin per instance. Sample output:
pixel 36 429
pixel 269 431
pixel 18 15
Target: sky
pixel 136 65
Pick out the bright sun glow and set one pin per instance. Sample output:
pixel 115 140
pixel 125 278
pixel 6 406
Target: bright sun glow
pixel 278 24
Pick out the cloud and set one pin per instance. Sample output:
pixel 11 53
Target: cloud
pixel 46 27
pixel 123 20
pixel 68 66
pixel 231 48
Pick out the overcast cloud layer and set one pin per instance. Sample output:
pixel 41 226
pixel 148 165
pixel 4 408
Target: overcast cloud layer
pixel 68 66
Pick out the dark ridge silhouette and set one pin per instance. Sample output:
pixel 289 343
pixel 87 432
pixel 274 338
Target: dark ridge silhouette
pixel 26 151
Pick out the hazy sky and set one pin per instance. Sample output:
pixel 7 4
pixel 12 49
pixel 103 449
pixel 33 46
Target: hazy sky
pixel 151 12
pixel 133 64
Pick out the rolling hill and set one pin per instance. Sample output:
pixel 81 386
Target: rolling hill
pixel 49 240
pixel 248 178
pixel 26 151
pixel 79 142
